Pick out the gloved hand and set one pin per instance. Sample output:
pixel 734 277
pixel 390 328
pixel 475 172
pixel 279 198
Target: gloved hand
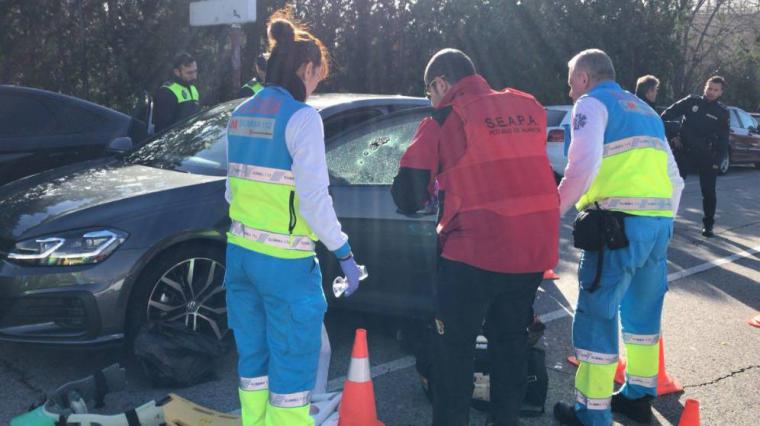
pixel 352 273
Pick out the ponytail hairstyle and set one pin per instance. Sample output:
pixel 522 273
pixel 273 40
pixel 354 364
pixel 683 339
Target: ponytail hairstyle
pixel 291 46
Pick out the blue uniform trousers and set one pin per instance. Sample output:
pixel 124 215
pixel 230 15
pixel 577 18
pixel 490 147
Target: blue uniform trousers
pixel 632 288
pixel 275 309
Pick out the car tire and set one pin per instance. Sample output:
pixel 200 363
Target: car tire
pixel 161 293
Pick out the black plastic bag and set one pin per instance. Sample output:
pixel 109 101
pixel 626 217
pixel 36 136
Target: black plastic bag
pixel 173 355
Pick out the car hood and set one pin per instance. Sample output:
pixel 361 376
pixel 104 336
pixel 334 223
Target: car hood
pixel 44 198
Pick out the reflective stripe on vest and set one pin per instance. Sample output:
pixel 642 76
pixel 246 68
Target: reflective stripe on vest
pixel 182 93
pixel 636 142
pixel 281 241
pixel 261 174
pixel 637 204
pixel 633 176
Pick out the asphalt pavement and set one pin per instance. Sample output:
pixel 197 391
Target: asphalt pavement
pixel 709 347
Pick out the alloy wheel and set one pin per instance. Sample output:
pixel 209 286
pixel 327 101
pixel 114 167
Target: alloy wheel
pixel 191 292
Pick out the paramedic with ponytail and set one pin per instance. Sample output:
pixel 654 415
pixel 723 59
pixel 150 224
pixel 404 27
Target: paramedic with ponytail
pixel 279 208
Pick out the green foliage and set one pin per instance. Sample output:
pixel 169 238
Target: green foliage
pixel 110 51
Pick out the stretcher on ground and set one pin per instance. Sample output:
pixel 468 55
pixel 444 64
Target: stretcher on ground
pixel 68 405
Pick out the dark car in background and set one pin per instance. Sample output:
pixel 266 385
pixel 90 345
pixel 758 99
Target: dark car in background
pixel 90 251
pixel 744 139
pixel 41 130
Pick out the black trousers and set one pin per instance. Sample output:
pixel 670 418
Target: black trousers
pixel 692 162
pixel 466 296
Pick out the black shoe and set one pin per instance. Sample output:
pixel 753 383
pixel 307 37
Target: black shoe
pixel 638 410
pixel 565 414
pixel 707 231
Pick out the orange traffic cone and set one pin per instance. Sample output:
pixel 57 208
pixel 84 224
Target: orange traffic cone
pixel 619 373
pixel 549 274
pixel 665 382
pixel 690 415
pixel 357 407
pixel 754 321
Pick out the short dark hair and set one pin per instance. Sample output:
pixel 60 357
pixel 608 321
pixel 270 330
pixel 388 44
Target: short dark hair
pixel 452 64
pixel 717 79
pixel 182 59
pixel 645 84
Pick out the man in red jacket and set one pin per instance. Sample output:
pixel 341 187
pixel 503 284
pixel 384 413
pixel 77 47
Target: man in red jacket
pixel 483 154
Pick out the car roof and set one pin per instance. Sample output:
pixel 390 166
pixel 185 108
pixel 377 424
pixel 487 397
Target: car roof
pixel 332 103
pixel 352 100
pixel 560 107
pixel 21 90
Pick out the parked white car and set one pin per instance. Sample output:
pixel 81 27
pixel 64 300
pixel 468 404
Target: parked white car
pixel 557 124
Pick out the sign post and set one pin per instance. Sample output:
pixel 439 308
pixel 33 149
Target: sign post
pixel 226 12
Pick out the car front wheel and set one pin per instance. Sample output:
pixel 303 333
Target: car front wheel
pixel 184 286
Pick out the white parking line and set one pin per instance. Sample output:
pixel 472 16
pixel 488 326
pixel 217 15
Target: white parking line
pixel 565 312
pixel 712 264
pixel 408 361
pixel 388 367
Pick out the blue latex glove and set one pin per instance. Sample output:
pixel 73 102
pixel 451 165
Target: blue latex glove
pixel 352 273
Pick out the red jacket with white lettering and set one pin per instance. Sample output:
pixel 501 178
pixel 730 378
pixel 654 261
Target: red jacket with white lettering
pixel 487 152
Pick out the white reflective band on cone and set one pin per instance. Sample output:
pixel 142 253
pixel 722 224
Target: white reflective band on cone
pixel 647 382
pixel 290 400
pixel 634 203
pixel 632 143
pixel 359 372
pixel 261 174
pixel 641 339
pixel 288 242
pixel 595 357
pixel 593 404
pixel 254 383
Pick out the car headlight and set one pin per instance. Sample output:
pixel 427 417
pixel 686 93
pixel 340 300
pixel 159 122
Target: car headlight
pixel 68 248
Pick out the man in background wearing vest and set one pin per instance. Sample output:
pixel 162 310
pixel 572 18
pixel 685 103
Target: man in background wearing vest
pixel 256 83
pixel 177 98
pixel 619 161
pixel 497 229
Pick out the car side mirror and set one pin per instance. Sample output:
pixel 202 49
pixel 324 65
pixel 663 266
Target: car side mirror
pixel 120 145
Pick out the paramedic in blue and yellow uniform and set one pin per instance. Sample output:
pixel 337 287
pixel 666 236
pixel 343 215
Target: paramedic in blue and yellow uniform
pixel 619 160
pixel 279 209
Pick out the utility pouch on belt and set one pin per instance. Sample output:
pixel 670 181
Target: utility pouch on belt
pixel 595 230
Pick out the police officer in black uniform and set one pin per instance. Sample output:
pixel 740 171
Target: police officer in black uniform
pixel 703 141
pixel 178 97
pixel 257 82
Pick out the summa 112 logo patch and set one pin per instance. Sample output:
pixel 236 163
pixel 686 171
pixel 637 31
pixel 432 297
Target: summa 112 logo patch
pixel 508 124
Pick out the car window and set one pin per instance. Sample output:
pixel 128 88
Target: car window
pixel 348 119
pixel 554 117
pixel 734 119
pixel 746 119
pixel 73 119
pixel 370 154
pixel 24 116
pixel 198 146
